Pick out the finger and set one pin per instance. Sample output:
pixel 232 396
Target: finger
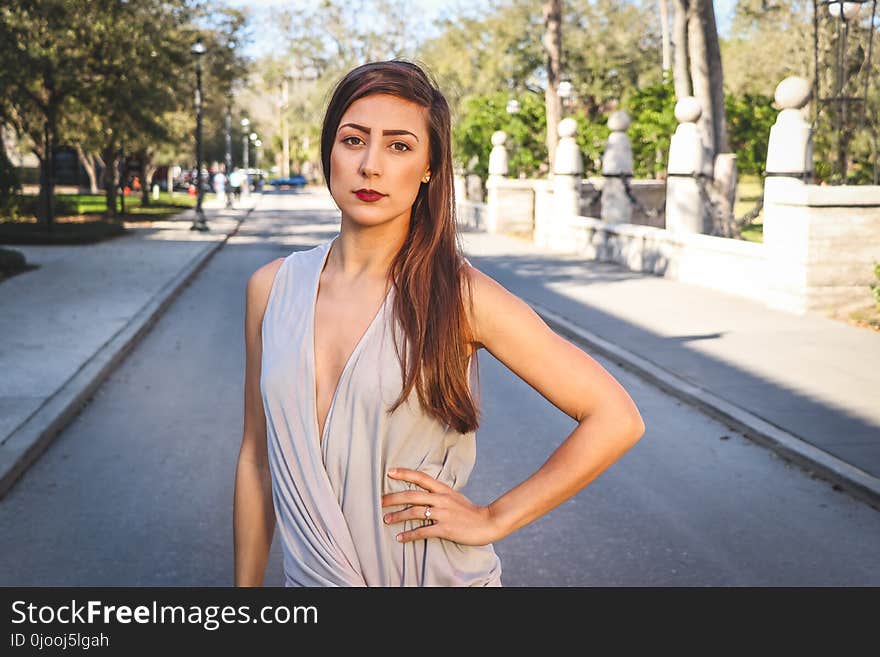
pixel 412 513
pixel 408 497
pixel 428 531
pixel 419 478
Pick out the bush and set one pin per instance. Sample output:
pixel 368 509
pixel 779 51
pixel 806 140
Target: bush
pixel 483 115
pixel 652 113
pixel 10 188
pixel 749 119
pixel 875 287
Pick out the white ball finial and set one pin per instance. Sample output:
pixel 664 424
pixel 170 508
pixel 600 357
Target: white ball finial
pixel 618 121
pixel 567 128
pixel 499 137
pixel 688 110
pixel 793 92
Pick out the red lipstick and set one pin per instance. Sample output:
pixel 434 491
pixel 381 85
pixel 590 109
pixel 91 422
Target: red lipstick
pixel 368 195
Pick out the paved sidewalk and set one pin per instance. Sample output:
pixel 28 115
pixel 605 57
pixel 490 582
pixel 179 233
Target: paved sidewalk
pixel 66 325
pixel 806 386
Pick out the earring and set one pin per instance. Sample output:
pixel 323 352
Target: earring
pixel 426 179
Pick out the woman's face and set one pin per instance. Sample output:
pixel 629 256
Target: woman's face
pixel 363 157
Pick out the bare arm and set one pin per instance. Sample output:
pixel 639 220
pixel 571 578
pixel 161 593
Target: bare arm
pixel 609 423
pixel 253 512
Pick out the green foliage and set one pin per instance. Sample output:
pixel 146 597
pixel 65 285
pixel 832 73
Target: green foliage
pixel 652 111
pixel 483 115
pixel 591 138
pixel 875 287
pixel 749 119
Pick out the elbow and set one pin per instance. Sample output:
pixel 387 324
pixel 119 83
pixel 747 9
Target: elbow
pixel 638 429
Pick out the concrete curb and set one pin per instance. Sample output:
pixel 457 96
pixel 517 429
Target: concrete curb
pixel 858 483
pixel 24 445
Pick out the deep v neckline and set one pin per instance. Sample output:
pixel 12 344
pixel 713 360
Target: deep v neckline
pixel 319 431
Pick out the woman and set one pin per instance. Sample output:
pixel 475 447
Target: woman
pixel 360 399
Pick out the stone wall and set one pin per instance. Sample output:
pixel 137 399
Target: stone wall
pixel 822 242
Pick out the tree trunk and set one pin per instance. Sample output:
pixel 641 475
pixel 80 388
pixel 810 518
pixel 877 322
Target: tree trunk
pixel 46 199
pixel 681 65
pixel 708 87
pixel 707 75
pixel 111 179
pixel 149 172
pixel 666 66
pixel 145 184
pixel 553 48
pixel 88 162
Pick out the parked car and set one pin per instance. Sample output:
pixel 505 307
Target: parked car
pixel 295 180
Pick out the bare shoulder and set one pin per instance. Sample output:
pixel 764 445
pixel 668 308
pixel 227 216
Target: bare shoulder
pixel 489 300
pixel 260 285
pixel 510 329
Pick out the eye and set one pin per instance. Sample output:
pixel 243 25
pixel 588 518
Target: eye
pixel 352 137
pixel 400 143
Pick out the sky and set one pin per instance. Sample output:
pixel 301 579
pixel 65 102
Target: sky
pixel 432 9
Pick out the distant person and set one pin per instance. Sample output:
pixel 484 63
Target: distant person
pixel 220 187
pixel 235 180
pixel 394 293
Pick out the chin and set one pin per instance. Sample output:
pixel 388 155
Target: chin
pixel 367 216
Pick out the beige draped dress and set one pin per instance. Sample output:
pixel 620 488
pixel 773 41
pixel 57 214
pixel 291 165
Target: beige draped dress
pixel 327 493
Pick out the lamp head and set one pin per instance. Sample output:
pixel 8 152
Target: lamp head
pixel 564 88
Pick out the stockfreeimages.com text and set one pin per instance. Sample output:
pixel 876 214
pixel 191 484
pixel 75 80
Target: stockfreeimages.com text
pixel 210 617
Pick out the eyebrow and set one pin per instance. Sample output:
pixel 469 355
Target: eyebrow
pixel 384 132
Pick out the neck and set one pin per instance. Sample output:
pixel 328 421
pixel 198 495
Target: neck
pixel 365 252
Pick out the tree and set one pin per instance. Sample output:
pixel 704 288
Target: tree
pixel 698 72
pixel 50 44
pixel 553 48
pixel 526 131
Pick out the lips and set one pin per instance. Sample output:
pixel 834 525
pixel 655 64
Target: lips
pixel 369 196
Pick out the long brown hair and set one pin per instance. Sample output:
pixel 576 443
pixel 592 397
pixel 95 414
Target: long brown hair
pixel 428 272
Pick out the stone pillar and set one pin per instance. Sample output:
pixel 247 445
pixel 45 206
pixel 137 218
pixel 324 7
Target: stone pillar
pixel 821 243
pixel 617 164
pixel 790 148
pixel 459 186
pixel 568 169
pixel 685 207
pixel 497 173
pixel 473 182
pixel 821 240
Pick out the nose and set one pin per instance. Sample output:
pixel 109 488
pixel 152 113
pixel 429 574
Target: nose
pixel 370 165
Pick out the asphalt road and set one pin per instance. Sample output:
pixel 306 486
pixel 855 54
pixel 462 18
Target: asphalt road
pixel 138 490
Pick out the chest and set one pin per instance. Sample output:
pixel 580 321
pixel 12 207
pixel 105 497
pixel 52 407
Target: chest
pixel 341 326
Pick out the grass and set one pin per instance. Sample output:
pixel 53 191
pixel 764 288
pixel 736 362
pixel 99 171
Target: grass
pixel 80 218
pixel 84 204
pixel 76 205
pixel 867 317
pixel 748 191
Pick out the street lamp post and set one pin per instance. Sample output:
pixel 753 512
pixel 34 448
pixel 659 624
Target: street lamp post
pixel 259 144
pixel 245 187
pixel 199 222
pixel 843 93
pixel 228 160
pixel 253 140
